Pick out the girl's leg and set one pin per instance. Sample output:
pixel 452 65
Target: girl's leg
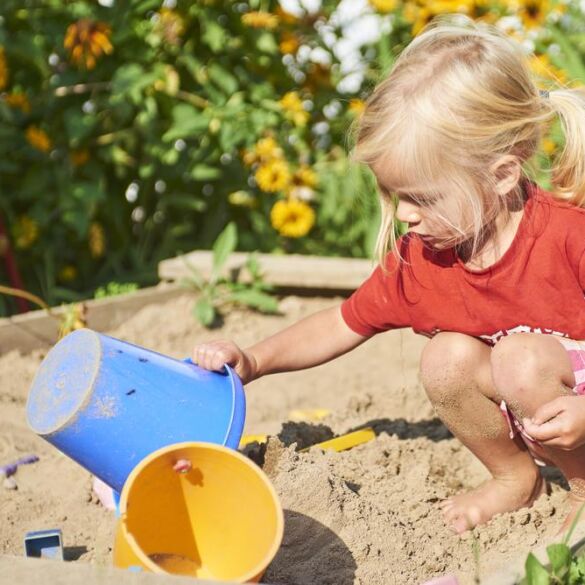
pixel 528 371
pixel 456 374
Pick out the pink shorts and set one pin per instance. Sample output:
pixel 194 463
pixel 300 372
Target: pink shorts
pixel 576 351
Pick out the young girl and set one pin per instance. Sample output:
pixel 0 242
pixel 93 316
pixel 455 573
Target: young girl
pixel 492 267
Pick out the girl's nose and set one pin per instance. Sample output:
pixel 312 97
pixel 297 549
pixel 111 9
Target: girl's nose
pixel 408 213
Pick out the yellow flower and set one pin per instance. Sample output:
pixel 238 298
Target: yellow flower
pixel 18 101
pixel 305 176
pixel 260 19
pixel 289 43
pixel 266 149
pixel 292 106
pixel 3 69
pixel 533 13
pixel 356 106
pixel 273 176
pixel 170 25
pixel 96 240
pixel 86 40
pixel 38 139
pixel 291 218
pixel 25 232
pixel 548 146
pixel 420 13
pixel 384 6
pixel 79 157
pixel 67 273
pixel 543 68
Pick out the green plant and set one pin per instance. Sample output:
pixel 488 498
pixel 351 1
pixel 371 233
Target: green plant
pixel 566 565
pixel 219 291
pixel 115 288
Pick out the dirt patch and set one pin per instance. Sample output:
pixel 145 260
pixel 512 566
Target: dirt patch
pixel 367 515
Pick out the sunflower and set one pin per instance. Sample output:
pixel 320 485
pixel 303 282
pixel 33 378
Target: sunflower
pixel 292 218
pixel 25 232
pixel 18 101
pixel 305 176
pixel 38 139
pixel 265 150
pixel 3 69
pixel 384 6
pixel 96 240
pixel 541 66
pixel 421 12
pixel 273 176
pixel 260 19
pixel 293 108
pixel 86 40
pixel 533 13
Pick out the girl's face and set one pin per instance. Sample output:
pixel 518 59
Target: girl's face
pixel 436 218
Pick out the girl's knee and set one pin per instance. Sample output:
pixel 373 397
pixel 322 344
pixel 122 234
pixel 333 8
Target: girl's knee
pixel 447 359
pixel 524 363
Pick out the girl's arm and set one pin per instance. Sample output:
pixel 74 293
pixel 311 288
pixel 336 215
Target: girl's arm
pixel 309 342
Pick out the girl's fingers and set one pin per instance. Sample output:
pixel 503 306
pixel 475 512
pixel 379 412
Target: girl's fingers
pixel 549 410
pixel 547 431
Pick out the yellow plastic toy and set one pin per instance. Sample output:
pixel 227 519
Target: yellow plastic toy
pixel 217 518
pixel 345 442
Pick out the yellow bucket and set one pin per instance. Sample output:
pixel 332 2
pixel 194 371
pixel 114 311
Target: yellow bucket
pixel 221 519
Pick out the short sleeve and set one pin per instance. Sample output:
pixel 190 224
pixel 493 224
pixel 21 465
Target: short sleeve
pixel 582 272
pixel 378 304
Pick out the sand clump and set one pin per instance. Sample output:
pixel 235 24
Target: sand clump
pixel 366 515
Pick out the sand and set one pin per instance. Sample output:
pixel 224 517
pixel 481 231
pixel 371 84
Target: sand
pixel 367 515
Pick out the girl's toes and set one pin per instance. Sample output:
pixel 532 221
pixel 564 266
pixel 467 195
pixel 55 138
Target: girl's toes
pixel 446 504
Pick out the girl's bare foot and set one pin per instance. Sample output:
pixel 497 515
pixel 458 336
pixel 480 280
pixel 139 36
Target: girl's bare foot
pixel 495 496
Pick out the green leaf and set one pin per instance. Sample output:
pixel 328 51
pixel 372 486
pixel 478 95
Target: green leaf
pixel 78 125
pixel 266 43
pixel 572 61
pixel 222 248
pixel 256 299
pixel 536 574
pixel 203 172
pixel 223 78
pixel 560 558
pixel 204 312
pixel 188 122
pixel 214 36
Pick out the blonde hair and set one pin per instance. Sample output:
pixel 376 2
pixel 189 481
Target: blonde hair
pixel 458 98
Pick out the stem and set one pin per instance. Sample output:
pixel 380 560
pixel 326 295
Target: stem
pixel 15 292
pixel 192 98
pixel 81 88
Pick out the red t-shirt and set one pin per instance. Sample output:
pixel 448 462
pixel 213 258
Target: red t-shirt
pixel 537 285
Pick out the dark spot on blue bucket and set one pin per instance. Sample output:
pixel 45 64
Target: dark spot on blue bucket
pixel 119 351
pixel 130 392
pixel 142 360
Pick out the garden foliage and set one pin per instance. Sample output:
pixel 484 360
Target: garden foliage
pixel 133 130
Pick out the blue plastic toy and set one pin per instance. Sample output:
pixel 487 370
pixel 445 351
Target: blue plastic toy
pixel 108 404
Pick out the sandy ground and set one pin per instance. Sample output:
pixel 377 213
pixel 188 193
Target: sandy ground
pixel 367 515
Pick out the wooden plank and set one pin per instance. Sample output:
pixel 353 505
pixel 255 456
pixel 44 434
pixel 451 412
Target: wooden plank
pixel 37 329
pixel 291 271
pixel 25 571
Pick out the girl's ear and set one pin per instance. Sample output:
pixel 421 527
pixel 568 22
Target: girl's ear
pixel 507 172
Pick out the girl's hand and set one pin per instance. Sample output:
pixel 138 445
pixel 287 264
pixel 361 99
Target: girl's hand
pixel 214 355
pixel 559 423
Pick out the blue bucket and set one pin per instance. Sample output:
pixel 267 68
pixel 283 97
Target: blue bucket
pixel 107 404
